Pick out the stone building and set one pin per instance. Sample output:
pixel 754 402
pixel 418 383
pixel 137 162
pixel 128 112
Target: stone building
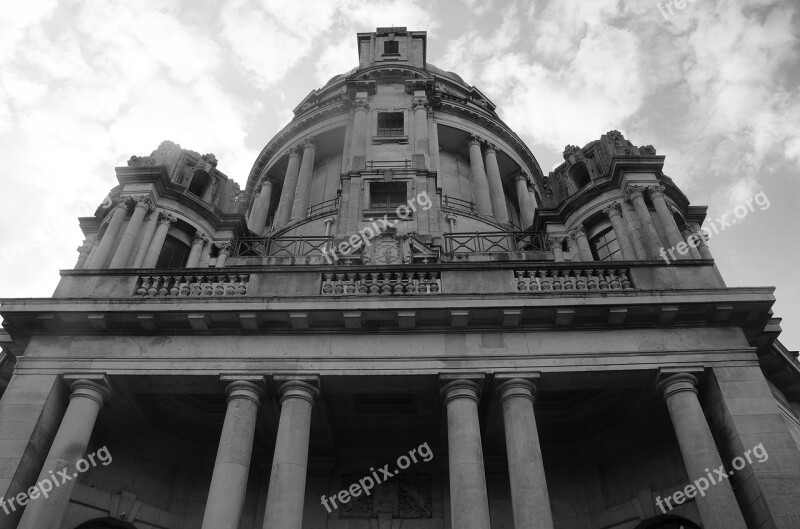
pixel 400 297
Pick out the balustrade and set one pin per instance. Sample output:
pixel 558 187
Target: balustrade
pixel 381 283
pixel 574 279
pixel 192 285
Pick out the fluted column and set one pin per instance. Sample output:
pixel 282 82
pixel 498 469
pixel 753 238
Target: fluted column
pixel 198 243
pixel 614 213
pixel 261 210
pixel 421 142
pixel 556 246
pixel 123 252
pixel 224 250
pixel 154 250
pixel 524 200
pixel 358 146
pixel 229 480
pixel 578 233
pixel 480 185
pixel 653 240
pixel 289 186
pixel 496 193
pixel 529 497
pixel 693 240
pixel 469 501
pixel 718 507
pixel 69 446
pixel 110 235
pixel 287 481
pixel 300 206
pixel 667 220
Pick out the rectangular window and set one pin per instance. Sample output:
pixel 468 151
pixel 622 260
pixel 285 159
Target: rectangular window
pixel 387 195
pixel 391 47
pixel 174 254
pixel 390 124
pixel 605 246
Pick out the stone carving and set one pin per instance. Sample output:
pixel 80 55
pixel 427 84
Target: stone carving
pixel 577 231
pixel 144 201
pixel 656 190
pixel 210 159
pixel 166 148
pixel 633 192
pixel 164 218
pixel 616 137
pixel 547 189
pixel 133 160
pixel 419 103
pixel 360 104
pixel 414 496
pixel 555 242
pixel 570 150
pixel 647 150
pixel 361 506
pixel 201 238
pixel 613 209
pixel 223 247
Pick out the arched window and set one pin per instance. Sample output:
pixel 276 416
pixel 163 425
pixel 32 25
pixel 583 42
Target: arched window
pixel 174 253
pixel 579 174
pixel 201 182
pixel 605 246
pixel 106 523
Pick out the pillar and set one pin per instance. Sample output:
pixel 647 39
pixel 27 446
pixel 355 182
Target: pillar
pixel 198 243
pixel 123 252
pixel 154 250
pixel 667 220
pixel 92 250
pixel 469 503
pixel 144 244
pixel 693 240
pixel 529 497
pixel 718 507
pixel 68 447
pixel 261 208
pixel 110 235
pixel 614 213
pixel 287 481
pixel 300 206
pixel 289 185
pixel 523 200
pixel 578 233
pixel 83 255
pixel 205 256
pixel 229 480
pixel 652 241
pixel 480 186
pixel 224 251
pixel 496 193
pixel 702 243
pixel 358 147
pixel 556 246
pixel 421 141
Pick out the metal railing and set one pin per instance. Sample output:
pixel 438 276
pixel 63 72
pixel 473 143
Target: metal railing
pixel 324 207
pixel 458 204
pixel 298 246
pixel 388 164
pixel 494 242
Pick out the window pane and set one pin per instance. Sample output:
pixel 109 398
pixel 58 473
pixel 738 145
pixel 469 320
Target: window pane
pixel 391 47
pixel 174 254
pixel 390 124
pixel 387 195
pixel 605 246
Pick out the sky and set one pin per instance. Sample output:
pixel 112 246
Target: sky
pixel 714 86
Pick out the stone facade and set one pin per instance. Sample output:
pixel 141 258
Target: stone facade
pixel 399 302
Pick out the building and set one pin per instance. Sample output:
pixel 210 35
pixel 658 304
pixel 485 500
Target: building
pixel 400 323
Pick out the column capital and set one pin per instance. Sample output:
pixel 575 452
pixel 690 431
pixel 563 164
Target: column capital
pixel 656 190
pixel 309 143
pixel 490 148
pixel 298 389
pixel 555 241
pixel 294 151
pixel 516 387
pixel 200 238
pixel 360 105
pixel 676 383
pixel 85 248
pixel 613 209
pixel 633 192
pixel 522 176
pixel 143 201
pixel 418 103
pixel 223 247
pixel 242 389
pixel 578 231
pixel 461 388
pixel 474 140
pixel 166 218
pixel 94 387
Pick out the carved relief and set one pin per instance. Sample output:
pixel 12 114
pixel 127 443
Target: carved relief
pixel 414 496
pixel 210 159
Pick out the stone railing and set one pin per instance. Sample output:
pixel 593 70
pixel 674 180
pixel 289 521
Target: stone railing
pixel 381 283
pixel 575 279
pixel 192 285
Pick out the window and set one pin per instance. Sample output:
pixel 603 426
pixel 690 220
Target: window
pixel 387 195
pixel 390 124
pixel 391 47
pixel 174 254
pixel 605 246
pixel 201 181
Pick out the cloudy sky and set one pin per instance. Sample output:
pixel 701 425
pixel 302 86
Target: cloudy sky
pixel 86 84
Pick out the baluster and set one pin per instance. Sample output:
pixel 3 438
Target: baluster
pixel 184 287
pixel 556 275
pixel 436 285
pixel 350 285
pixel 603 282
pixel 327 287
pixel 175 288
pixel 338 288
pixel 374 288
pixel 386 287
pixel 411 279
pixel 144 284
pixel 241 289
pixel 591 282
pixel 230 288
pixel 208 287
pixel 626 283
pixel 363 286
pixel 613 279
pixel 568 281
pixel 162 289
pixel 545 283
pixel 398 283
pixel 196 287
pixel 580 282
pixel 521 284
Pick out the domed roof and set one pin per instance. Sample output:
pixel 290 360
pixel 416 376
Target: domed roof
pixel 428 66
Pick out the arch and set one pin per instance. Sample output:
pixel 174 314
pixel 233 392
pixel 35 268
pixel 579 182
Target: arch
pixel 201 183
pixel 579 174
pixel 667 521
pixel 106 523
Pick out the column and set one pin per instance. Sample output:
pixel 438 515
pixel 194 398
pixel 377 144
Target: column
pixel 633 228
pixel 556 246
pixel 523 200
pixel 287 481
pixel 289 186
pixel 578 233
pixel 154 250
pixel 358 147
pixel 198 243
pixel 300 206
pixel 469 503
pixel 693 240
pixel 702 243
pixel 496 193
pixel 205 256
pixel 718 508
pixel 123 253
pixel 614 213
pixel 110 235
pixel 529 498
pixel 68 447
pixel 83 255
pixel 224 251
pixel 480 186
pixel 144 244
pixel 261 209
pixel 653 241
pixel 229 480
pixel 92 251
pixel 421 147
pixel 665 215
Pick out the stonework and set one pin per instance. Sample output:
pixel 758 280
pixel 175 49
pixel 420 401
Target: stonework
pixel 520 325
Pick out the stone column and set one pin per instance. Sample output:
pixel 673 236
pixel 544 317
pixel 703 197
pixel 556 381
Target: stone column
pixel 358 147
pixel 205 256
pixel 224 251
pixel 154 250
pixel 289 185
pixel 83 255
pixel 496 193
pixel 92 251
pixel 469 503
pixel 198 243
pixel 421 142
pixel 110 235
pixel 693 240
pixel 578 233
pixel 68 447
pixel 300 206
pixel 529 498
pixel 480 186
pixel 229 480
pixel 123 253
pixel 287 481
pixel 653 240
pixel 523 200
pixel 633 228
pixel 556 246
pixel 261 208
pixel 665 215
pixel 614 213
pixel 702 243
pixel 718 508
